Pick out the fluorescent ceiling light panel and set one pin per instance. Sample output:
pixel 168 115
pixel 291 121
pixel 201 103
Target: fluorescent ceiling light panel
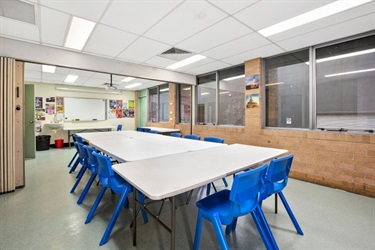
pixel 128 79
pixel 308 17
pixel 164 90
pixel 79 31
pixel 133 85
pixel 186 61
pixel 89 91
pixel 233 78
pixel 205 93
pixel 350 72
pixel 275 83
pixel 71 78
pixel 186 88
pixel 48 68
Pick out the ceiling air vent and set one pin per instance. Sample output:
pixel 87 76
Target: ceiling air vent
pixel 18 10
pixel 176 54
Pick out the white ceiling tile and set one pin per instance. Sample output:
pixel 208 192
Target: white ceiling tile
pixel 143 49
pixel 49 77
pixel 221 32
pixel 268 12
pixel 265 51
pixel 240 45
pixel 160 62
pixel 341 30
pixel 33 76
pixel 216 65
pixel 33 66
pixel 78 72
pixel 136 16
pixel 186 20
pixel 325 22
pixel 53 26
pixel 232 6
pixel 87 9
pixel 108 41
pixel 19 30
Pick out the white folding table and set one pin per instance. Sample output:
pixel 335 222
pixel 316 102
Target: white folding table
pixel 84 128
pixel 168 176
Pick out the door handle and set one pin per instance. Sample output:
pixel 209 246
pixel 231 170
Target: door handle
pixel 31 121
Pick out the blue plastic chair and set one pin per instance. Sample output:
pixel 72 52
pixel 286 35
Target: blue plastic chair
pixel 79 139
pixel 225 206
pixel 109 179
pixel 192 137
pixel 119 127
pixel 147 130
pixel 92 166
pixel 179 135
pixel 276 180
pixel 139 129
pixel 82 157
pixel 216 140
pixel 153 131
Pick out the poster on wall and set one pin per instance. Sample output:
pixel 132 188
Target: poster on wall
pixel 60 105
pixel 50 99
pixel 252 82
pixel 119 109
pixel 50 108
pixel 131 108
pixel 40 114
pixel 125 110
pixel 38 126
pixel 38 102
pixel 252 101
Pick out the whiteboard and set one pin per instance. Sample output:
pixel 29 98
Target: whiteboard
pixel 84 109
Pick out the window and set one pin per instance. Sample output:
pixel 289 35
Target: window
pixel 206 99
pixel 232 96
pixel 153 104
pixel 345 85
pixel 184 100
pixel 159 103
pixel 287 90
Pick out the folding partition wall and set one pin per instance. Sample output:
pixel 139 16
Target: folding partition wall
pixel 11 125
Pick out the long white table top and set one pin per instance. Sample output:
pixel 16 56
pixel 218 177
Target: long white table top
pixel 88 127
pixel 131 145
pixel 164 130
pixel 171 175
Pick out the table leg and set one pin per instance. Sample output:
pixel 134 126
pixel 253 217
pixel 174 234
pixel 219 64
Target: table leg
pixel 134 217
pixel 69 139
pixel 173 223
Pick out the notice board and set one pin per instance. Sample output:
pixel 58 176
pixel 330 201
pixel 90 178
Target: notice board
pixel 84 109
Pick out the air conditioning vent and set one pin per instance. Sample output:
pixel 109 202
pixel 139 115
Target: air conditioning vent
pixel 18 10
pixel 176 54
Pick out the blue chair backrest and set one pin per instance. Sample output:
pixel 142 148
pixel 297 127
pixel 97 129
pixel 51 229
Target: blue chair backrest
pixel 91 160
pixel 146 129
pixel 139 129
pixel 176 135
pixel 119 127
pixel 214 139
pixel 81 152
pixel 192 137
pixel 77 138
pixel 246 188
pixel 277 174
pixel 104 168
pixel 153 132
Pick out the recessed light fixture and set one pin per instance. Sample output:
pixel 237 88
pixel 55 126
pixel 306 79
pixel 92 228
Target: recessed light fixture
pixel 186 88
pixel 186 61
pixel 133 85
pixel 350 72
pixel 164 90
pixel 48 68
pixel 71 78
pixel 205 93
pixel 233 78
pixel 79 31
pixel 316 14
pixel 127 79
pixel 275 83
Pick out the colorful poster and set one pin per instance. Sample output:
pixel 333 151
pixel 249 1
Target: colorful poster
pixel 125 109
pixel 38 126
pixel 50 109
pixel 59 105
pixel 252 101
pixel 131 108
pixel 252 82
pixel 38 102
pixel 112 104
pixel 50 99
pixel 40 114
pixel 118 108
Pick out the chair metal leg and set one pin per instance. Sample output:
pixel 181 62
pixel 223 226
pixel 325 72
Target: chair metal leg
pixel 198 230
pixel 78 179
pixel 95 205
pixel 225 182
pixel 276 203
pixel 189 196
pixel 86 189
pixel 71 161
pixel 143 211
pixel 290 213
pixel 208 189
pixel 114 217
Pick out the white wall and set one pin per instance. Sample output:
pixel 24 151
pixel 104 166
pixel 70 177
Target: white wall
pixel 49 90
